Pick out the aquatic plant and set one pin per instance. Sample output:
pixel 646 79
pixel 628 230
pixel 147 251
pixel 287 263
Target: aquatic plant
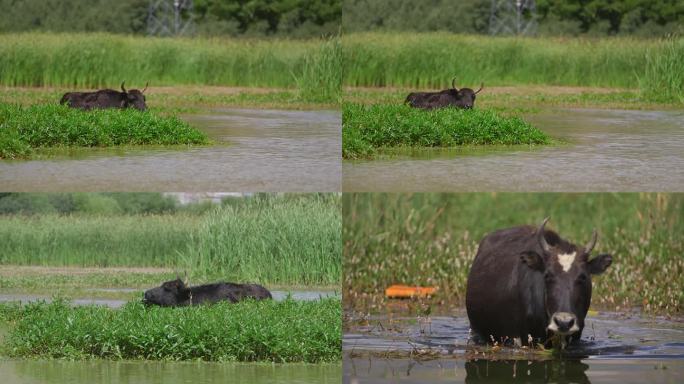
pixel 282 332
pixel 365 129
pixel 23 129
pixel 432 239
pixel 430 60
pixel 663 79
pixel 291 239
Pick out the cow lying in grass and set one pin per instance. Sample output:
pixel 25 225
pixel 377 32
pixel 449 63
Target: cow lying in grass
pixel 457 98
pixel 106 98
pixel 176 293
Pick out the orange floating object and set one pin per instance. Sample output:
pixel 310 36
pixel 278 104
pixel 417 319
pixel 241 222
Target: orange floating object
pixel 405 291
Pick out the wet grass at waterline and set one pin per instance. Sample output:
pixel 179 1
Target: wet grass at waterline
pixel 366 129
pixel 23 129
pixel 432 239
pixel 287 331
pixel 291 240
pixel 431 60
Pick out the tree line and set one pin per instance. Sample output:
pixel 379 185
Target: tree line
pixel 287 18
pixel 644 18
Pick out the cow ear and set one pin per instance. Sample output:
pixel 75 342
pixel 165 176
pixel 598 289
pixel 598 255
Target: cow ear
pixel 533 260
pixel 600 263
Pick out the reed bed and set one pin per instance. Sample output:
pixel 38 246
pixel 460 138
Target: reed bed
pixel 282 332
pixel 294 240
pixel 23 129
pixel 367 129
pixel 431 60
pixel 431 240
pixel 104 60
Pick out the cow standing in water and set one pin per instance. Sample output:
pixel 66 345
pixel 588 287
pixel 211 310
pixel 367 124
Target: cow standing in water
pixel 528 284
pixel 106 98
pixel 176 293
pixel 457 98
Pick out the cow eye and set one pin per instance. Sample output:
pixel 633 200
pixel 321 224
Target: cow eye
pixel 548 277
pixel 581 279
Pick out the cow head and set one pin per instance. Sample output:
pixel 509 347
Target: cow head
pixel 566 269
pixel 134 98
pixel 465 97
pixel 169 294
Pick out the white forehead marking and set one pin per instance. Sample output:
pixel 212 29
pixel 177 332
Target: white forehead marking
pixel 566 260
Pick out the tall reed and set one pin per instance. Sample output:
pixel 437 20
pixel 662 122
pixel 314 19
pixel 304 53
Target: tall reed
pixel 663 79
pixel 431 60
pixel 431 239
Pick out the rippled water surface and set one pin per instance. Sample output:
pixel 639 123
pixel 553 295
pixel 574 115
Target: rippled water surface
pixel 62 372
pixel 615 348
pixel 609 150
pixel 257 150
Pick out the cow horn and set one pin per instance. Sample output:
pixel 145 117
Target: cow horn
pixel 453 83
pixel 122 86
pixel 540 236
pixel 481 86
pixel 592 243
pixel 186 281
pixel 144 89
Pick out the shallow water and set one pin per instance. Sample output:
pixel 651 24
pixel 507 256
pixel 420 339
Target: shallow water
pixel 58 372
pixel 609 150
pixel 257 150
pixel 615 348
pixel 112 303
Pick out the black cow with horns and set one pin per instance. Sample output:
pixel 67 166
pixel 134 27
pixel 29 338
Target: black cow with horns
pixel 106 98
pixel 457 98
pixel 528 284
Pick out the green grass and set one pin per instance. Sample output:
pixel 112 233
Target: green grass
pixel 365 129
pixel 431 239
pixel 293 239
pixel 103 60
pixel 23 129
pixel 281 332
pixel 431 60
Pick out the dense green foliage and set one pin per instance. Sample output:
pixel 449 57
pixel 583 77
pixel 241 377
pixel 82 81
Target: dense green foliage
pixel 294 18
pixel 365 129
pixel 287 331
pixel 291 239
pixel 102 60
pixel 23 129
pixel 555 17
pixel 431 239
pixel 432 60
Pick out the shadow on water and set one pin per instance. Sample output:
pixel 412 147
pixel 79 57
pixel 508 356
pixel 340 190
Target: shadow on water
pixel 264 150
pixel 608 150
pixel 102 371
pixel 615 347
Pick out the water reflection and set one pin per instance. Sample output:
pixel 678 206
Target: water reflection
pixel 521 371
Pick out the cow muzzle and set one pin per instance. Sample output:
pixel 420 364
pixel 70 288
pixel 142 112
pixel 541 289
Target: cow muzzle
pixel 563 323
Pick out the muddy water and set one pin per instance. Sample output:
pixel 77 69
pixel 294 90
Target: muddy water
pixel 58 372
pixel 615 348
pixel 608 150
pixel 257 150
pixel 277 295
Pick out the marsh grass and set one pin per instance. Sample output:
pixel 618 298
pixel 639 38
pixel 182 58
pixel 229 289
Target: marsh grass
pixel 296 241
pixel 663 79
pixel 282 332
pixel 103 60
pixel 431 240
pixel 365 129
pixel 293 240
pixel 23 129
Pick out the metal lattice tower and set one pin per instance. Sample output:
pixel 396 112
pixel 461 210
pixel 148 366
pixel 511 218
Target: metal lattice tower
pixel 513 17
pixel 170 18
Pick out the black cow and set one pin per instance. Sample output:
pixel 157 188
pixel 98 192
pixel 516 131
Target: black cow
pixel 458 98
pixel 175 293
pixel 106 98
pixel 528 284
